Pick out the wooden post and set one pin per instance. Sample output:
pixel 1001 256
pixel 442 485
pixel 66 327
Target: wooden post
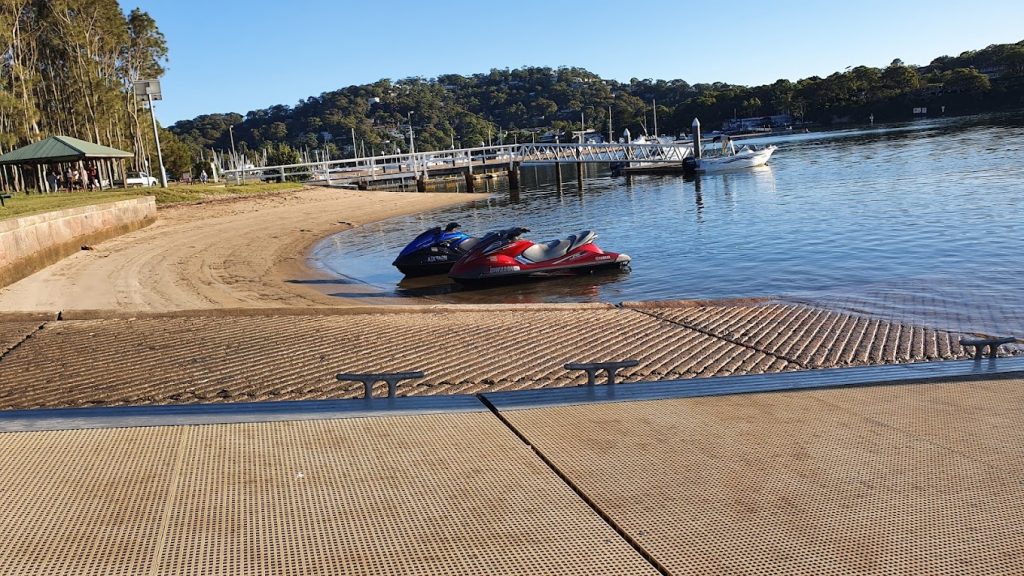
pixel 513 176
pixel 124 175
pixel 470 182
pixel 579 168
pixel 421 182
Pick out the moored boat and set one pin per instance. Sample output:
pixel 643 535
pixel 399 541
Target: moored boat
pixel 746 157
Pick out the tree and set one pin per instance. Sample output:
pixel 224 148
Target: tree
pixel 752 107
pixel 1013 60
pixel 781 98
pixel 279 154
pixel 966 81
pixel 178 158
pixel 899 79
pixel 68 67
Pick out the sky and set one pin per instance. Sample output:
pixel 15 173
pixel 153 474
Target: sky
pixel 237 56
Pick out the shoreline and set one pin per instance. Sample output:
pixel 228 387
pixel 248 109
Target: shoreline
pixel 241 252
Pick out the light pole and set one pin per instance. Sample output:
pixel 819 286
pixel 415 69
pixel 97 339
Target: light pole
pixel 156 138
pixel 151 90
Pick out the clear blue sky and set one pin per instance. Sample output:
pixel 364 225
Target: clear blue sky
pixel 237 56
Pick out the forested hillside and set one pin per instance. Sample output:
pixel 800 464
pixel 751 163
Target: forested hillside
pixel 69 66
pixel 508 105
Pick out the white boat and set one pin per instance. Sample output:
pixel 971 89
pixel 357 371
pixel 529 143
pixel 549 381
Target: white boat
pixel 745 158
pixel 731 159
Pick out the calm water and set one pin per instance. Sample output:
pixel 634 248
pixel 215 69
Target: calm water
pixel 921 222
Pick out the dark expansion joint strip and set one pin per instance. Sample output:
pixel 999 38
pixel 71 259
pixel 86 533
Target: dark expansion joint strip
pixel 4 353
pixel 720 337
pixel 572 486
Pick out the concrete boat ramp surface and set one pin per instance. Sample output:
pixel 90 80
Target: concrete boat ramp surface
pixel 752 438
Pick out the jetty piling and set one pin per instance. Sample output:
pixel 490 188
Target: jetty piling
pixel 579 168
pixel 513 176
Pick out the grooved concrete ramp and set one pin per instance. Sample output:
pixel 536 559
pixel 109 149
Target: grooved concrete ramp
pixel 12 333
pixel 256 358
pixel 437 494
pixel 195 359
pixel 815 337
pixel 919 479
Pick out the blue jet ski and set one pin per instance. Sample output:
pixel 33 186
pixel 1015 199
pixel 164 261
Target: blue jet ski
pixel 434 251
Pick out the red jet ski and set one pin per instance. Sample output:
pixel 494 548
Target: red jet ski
pixel 502 256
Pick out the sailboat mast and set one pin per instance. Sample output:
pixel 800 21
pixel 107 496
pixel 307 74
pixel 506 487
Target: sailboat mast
pixel 654 104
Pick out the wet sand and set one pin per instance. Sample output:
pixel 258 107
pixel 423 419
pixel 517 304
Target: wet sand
pixel 245 252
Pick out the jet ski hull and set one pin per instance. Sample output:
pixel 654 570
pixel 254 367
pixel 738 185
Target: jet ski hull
pixel 433 252
pixel 511 262
pixel 426 262
pixel 483 277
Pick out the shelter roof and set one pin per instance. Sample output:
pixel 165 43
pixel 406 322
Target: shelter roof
pixel 60 149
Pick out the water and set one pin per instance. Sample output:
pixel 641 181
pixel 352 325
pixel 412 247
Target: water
pixel 919 222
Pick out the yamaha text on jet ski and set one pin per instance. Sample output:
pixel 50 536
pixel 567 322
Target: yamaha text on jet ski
pixel 502 256
pixel 434 251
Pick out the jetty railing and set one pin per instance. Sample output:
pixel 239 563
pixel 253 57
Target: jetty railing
pixel 420 164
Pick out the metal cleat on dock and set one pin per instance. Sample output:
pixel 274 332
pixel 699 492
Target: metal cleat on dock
pixel 993 344
pixel 368 380
pixel 592 368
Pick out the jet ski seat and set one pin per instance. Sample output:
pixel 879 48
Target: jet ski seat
pixel 556 248
pixel 468 243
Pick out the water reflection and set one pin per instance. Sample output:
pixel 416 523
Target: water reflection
pixel 565 288
pixel 830 217
pixel 698 197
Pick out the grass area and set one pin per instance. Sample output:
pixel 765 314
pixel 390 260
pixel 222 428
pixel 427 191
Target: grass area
pixel 24 204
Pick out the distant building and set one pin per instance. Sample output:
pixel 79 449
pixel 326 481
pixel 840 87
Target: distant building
pixel 757 123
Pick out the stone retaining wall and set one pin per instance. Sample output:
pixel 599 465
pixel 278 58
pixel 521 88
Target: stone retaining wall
pixel 31 243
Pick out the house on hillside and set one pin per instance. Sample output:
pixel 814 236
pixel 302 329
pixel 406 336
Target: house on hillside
pixel 758 123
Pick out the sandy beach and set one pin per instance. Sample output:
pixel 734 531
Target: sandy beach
pixel 244 252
